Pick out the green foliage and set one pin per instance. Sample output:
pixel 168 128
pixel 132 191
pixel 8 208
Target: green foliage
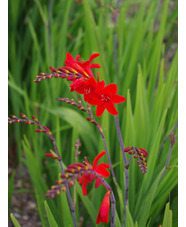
pixel 50 217
pixel 144 66
pixel 14 221
pixel 167 220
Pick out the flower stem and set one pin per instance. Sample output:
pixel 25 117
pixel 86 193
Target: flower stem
pixel 107 151
pixel 125 163
pixel 169 153
pixel 67 187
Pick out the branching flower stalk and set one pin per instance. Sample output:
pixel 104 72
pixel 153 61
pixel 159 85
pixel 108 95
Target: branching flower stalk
pixel 125 164
pixel 55 155
pixel 104 97
pixel 92 120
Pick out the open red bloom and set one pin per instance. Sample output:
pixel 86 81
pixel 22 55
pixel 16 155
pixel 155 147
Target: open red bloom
pixel 88 87
pixel 101 169
pixel 103 215
pixel 107 99
pixel 83 68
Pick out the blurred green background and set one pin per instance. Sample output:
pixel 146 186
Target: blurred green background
pixel 137 42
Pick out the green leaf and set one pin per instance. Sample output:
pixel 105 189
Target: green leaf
pixel 50 216
pixel 130 222
pixel 146 203
pixel 141 113
pixel 88 204
pixel 15 222
pixel 167 220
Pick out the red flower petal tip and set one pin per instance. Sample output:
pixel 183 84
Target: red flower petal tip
pixel 103 215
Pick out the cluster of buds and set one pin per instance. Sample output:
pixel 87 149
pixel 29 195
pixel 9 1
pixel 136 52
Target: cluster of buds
pixel 72 102
pixel 63 73
pixel 41 129
pixel 140 154
pixel 15 119
pixel 26 120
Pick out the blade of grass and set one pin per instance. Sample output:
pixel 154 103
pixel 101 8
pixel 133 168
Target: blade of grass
pixel 14 220
pixel 50 216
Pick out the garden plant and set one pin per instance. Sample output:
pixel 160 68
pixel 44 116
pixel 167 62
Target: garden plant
pixel 97 128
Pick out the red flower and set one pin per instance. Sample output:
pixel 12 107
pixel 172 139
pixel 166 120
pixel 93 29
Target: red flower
pixel 89 88
pixel 107 99
pixel 103 215
pixel 101 169
pixel 83 68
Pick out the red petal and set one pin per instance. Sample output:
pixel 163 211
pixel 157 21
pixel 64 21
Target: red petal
pixel 81 180
pixel 92 99
pixel 105 165
pixel 69 57
pixel 98 182
pixel 110 90
pixel 118 99
pixel 78 85
pixel 84 187
pixel 77 58
pixel 95 55
pixel 103 215
pixel 98 218
pixel 100 109
pixel 95 162
pixel 95 65
pixel 101 84
pixel 102 171
pixel 111 108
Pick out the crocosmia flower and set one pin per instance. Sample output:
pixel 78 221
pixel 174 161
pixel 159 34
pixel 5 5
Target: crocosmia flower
pixel 103 215
pixel 100 169
pixel 107 99
pixel 82 67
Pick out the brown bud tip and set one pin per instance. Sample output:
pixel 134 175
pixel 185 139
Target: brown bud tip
pixel 39 130
pixel 79 177
pixel 127 149
pixel 71 183
pixel 34 118
pixel 172 138
pixel 23 115
pixel 64 76
pixel 63 189
pixel 50 155
pixel 59 182
pixel 51 69
pixel 41 74
pixel 143 152
pixel 29 122
pixel 58 192
pixel 48 130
